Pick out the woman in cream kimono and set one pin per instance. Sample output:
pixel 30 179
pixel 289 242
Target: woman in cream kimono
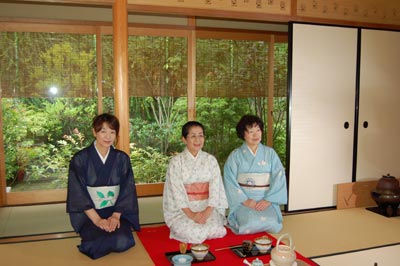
pixel 255 182
pixel 194 200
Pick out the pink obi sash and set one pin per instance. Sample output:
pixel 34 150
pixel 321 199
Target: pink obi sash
pixel 197 191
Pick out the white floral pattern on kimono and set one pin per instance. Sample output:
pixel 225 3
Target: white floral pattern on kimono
pixel 184 169
pixel 244 220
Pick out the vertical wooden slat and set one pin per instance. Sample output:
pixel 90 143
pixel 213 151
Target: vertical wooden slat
pixel 270 118
pixel 192 70
pixel 99 62
pixel 120 39
pixel 3 199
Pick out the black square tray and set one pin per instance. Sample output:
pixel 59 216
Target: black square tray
pixel 208 257
pixel 254 252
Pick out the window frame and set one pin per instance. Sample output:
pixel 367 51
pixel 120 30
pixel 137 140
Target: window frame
pixel 96 28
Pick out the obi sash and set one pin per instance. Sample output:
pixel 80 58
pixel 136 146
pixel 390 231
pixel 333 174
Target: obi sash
pixel 197 191
pixel 254 180
pixel 103 197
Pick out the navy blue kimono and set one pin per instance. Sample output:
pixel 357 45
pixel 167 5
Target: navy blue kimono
pixel 86 169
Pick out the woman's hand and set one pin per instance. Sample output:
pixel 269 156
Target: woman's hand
pixel 249 203
pixel 198 217
pixel 102 224
pixel 97 220
pixel 204 215
pixel 114 222
pixel 262 205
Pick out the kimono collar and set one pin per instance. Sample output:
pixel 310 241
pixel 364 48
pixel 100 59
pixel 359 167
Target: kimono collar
pixel 103 159
pixel 190 155
pixel 246 148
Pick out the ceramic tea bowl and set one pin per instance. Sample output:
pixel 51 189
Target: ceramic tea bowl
pixel 199 251
pixel 263 244
pixel 182 260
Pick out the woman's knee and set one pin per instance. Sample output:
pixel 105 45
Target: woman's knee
pixel 123 242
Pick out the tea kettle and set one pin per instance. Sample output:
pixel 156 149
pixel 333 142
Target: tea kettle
pixel 283 255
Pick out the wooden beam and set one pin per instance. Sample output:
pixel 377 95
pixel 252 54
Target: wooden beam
pixel 191 90
pixel 120 38
pixel 270 114
pixel 60 195
pixel 2 161
pixel 99 62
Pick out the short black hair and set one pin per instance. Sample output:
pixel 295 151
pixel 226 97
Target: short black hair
pixel 110 119
pixel 186 127
pixel 248 121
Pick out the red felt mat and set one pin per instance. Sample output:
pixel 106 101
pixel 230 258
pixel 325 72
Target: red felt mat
pixel 157 242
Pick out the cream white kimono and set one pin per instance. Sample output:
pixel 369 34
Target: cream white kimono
pixel 195 183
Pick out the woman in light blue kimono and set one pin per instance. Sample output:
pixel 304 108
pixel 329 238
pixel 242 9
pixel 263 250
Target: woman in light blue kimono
pixel 255 182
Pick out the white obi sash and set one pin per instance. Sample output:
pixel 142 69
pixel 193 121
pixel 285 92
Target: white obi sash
pixel 254 180
pixel 103 197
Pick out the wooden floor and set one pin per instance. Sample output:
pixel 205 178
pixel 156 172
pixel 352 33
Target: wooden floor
pixel 315 235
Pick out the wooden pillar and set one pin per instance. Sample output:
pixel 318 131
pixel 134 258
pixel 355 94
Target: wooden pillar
pixel 270 115
pixel 121 96
pixel 3 183
pixel 191 91
pixel 99 60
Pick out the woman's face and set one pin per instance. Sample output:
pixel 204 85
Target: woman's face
pixel 194 140
pixel 105 137
pixel 253 135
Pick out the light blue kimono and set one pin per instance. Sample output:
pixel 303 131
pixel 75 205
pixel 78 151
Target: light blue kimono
pixel 245 167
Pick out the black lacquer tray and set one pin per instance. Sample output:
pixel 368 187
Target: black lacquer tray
pixel 208 257
pixel 254 252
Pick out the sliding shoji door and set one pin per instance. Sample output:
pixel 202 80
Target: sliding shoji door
pixel 379 124
pixel 322 91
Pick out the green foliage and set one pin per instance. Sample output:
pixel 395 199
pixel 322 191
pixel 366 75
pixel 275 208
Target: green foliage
pixel 149 165
pixel 41 132
pixel 64 61
pixel 39 137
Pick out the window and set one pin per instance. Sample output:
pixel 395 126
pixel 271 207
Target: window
pixel 53 84
pixel 48 85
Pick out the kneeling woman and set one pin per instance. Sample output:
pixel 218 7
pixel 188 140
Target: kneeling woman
pixel 194 200
pixel 255 182
pixel 102 201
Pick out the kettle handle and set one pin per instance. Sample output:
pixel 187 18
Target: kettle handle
pixel 282 237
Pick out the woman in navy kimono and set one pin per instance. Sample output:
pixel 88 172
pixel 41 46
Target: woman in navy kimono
pixel 255 182
pixel 101 200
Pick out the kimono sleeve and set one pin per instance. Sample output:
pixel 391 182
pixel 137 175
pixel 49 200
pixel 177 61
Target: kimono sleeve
pixel 175 197
pixel 78 199
pixel 278 192
pixel 127 202
pixel 234 192
pixel 217 197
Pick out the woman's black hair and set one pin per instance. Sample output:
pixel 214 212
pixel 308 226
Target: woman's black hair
pixel 111 120
pixel 248 121
pixel 186 127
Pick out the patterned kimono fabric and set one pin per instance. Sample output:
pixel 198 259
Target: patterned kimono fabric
pixel 254 176
pixel 195 183
pixel 107 187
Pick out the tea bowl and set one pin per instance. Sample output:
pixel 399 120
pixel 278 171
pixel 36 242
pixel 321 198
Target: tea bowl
pixel 263 244
pixel 199 251
pixel 182 260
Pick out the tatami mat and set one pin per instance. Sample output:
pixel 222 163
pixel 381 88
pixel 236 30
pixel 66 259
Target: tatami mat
pixel 32 220
pixel 315 234
pixel 52 218
pixel 334 231
pixel 63 252
pixel 382 256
